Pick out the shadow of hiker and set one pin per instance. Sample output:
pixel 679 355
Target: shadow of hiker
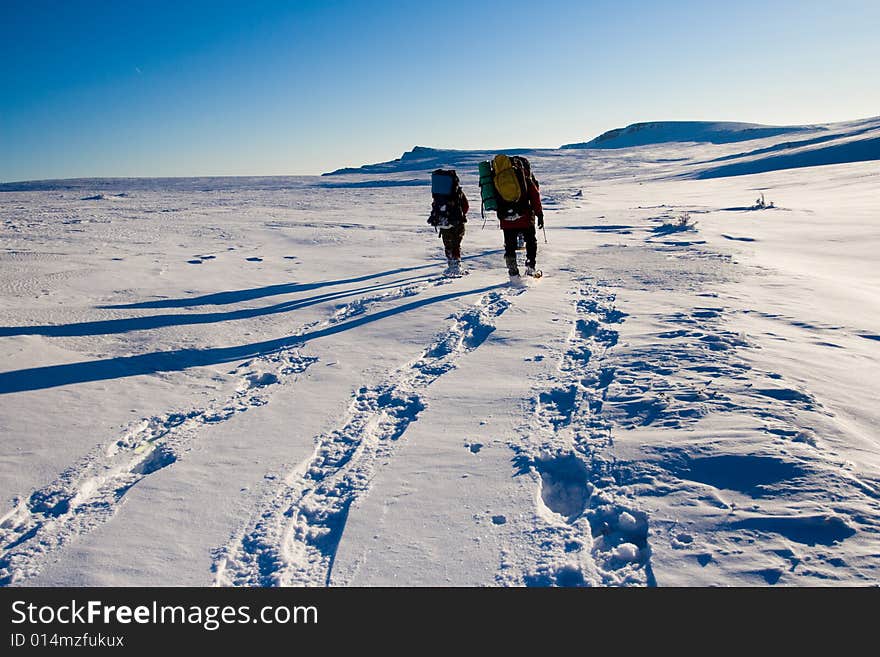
pixel 237 296
pixel 124 325
pixel 51 376
pixel 107 326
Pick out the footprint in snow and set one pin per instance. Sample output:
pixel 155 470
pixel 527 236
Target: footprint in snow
pixel 564 488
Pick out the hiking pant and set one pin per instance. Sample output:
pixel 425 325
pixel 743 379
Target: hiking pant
pixel 531 244
pixel 452 241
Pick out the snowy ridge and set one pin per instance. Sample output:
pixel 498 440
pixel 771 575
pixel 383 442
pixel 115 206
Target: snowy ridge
pixel 859 142
pixel 294 539
pixel 422 158
pixel 660 132
pixel 738 149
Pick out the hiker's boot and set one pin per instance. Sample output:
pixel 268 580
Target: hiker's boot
pixel 453 267
pixel 512 269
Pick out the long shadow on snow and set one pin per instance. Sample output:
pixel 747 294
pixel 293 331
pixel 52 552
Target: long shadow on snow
pixel 125 325
pixel 40 378
pixel 237 296
pixel 603 228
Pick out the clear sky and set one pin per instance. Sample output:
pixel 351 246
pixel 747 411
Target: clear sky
pixel 213 87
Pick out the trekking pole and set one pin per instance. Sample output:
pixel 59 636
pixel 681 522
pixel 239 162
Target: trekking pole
pixel 545 234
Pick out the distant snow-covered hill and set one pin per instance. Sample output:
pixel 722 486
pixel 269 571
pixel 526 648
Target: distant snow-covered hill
pixel 690 149
pixel 422 158
pixel 662 132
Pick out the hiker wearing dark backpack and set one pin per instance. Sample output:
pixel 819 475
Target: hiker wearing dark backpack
pixel 449 209
pixel 517 201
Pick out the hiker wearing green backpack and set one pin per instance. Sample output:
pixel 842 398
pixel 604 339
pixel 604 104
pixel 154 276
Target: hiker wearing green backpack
pixel 449 208
pixel 514 195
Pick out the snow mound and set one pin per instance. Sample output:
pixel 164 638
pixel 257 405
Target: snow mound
pixel 626 552
pixel 663 132
pixel 627 522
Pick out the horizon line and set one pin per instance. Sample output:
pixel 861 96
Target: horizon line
pixel 355 167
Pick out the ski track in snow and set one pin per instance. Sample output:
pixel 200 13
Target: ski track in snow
pixel 88 493
pixel 293 540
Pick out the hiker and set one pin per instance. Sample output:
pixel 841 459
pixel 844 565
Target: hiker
pixel 518 205
pixel 449 209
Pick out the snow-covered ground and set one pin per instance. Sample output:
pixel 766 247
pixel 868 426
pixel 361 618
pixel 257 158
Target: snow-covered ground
pixel 267 381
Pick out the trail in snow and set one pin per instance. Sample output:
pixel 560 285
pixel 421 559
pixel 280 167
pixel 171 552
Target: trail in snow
pixel 293 540
pixel 88 493
pixel 780 487
pixel 591 521
pixel 586 532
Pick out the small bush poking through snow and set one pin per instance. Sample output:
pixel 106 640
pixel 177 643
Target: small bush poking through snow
pixel 682 223
pixel 761 204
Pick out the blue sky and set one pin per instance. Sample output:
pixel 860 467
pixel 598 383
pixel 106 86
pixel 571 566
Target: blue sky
pixel 134 88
